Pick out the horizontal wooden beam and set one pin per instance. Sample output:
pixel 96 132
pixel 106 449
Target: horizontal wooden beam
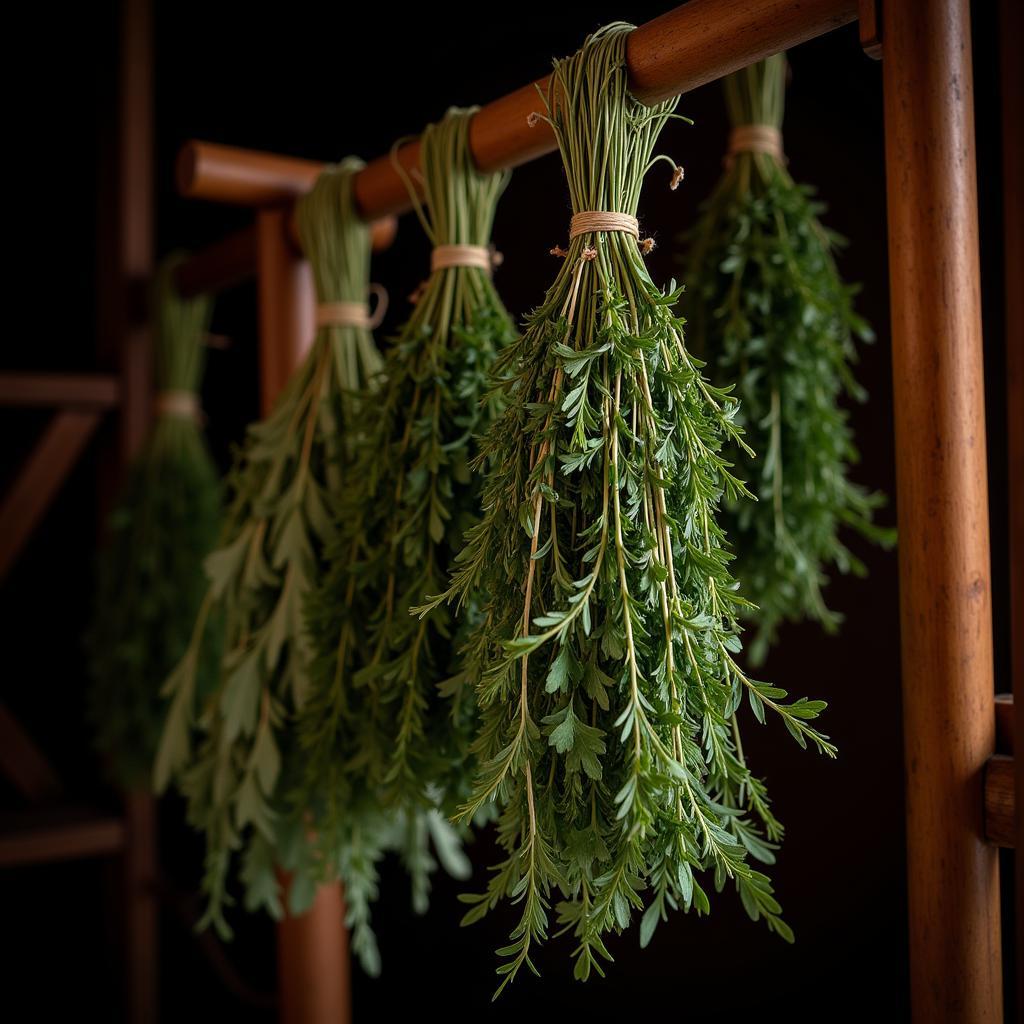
pixel 59 389
pixel 221 265
pixel 53 840
pixel 40 478
pixel 687 47
pixel 1000 801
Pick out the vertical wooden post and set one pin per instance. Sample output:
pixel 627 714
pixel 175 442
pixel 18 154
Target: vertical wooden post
pixel 126 257
pixel 942 498
pixel 312 950
pixel 1011 31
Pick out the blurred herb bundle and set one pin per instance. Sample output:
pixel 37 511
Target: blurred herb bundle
pixel 386 728
pixel 150 579
pixel 604 659
pixel 766 307
pixel 230 745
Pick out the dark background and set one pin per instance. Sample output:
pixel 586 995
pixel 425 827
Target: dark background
pixel 322 81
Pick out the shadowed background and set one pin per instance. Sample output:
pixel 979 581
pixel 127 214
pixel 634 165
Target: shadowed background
pixel 323 82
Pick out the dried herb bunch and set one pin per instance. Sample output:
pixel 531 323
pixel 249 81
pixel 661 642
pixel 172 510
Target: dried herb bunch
pixel 230 747
pixel 387 724
pixel 150 573
pixel 766 305
pixel 605 658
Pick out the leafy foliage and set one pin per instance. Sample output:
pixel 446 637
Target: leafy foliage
pixel 766 304
pixel 385 729
pixel 605 657
pixel 150 573
pixel 229 746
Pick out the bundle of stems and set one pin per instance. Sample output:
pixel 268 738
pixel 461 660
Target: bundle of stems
pixel 605 656
pixel 766 306
pixel 150 574
pixel 387 723
pixel 230 746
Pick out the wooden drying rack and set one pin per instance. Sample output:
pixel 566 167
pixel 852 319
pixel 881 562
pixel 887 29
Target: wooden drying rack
pixel 959 790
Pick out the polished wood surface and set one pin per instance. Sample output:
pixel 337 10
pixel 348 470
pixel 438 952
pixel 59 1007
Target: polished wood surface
pixel 942 501
pixel 687 47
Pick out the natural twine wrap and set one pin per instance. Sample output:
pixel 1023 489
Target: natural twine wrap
pixel 457 255
pixel 178 402
pixel 756 138
pixel 603 220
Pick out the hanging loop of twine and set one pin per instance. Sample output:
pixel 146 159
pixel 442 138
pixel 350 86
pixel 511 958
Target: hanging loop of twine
pixel 354 314
pixel 456 255
pixel 180 403
pixel 755 138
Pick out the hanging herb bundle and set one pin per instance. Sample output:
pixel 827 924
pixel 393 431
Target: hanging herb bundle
pixel 231 747
pixel 605 657
pixel 767 306
pixel 387 722
pixel 150 575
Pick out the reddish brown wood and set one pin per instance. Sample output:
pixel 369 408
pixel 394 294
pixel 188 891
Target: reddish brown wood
pixel 141 921
pixel 225 174
pixel 313 964
pixel 287 306
pixel 1011 32
pixel 62 836
pixel 75 389
pixel 870 28
pixel 23 763
pixel 999 801
pixel 40 478
pixel 130 274
pixel 228 262
pixel 687 47
pixel 942 499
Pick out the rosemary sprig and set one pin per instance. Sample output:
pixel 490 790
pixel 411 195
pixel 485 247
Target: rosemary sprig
pixel 604 658
pixel 150 573
pixel 228 747
pixel 766 305
pixel 387 724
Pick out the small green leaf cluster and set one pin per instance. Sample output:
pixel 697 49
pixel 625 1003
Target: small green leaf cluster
pixel 765 304
pixel 150 579
pixel 605 655
pixel 229 744
pixel 385 730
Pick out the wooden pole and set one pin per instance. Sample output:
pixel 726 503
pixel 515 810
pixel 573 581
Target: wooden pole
pixel 1011 31
pixel 312 950
pixel 942 498
pixel 685 48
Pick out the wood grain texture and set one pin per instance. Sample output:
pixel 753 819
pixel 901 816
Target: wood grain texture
pixel 942 500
